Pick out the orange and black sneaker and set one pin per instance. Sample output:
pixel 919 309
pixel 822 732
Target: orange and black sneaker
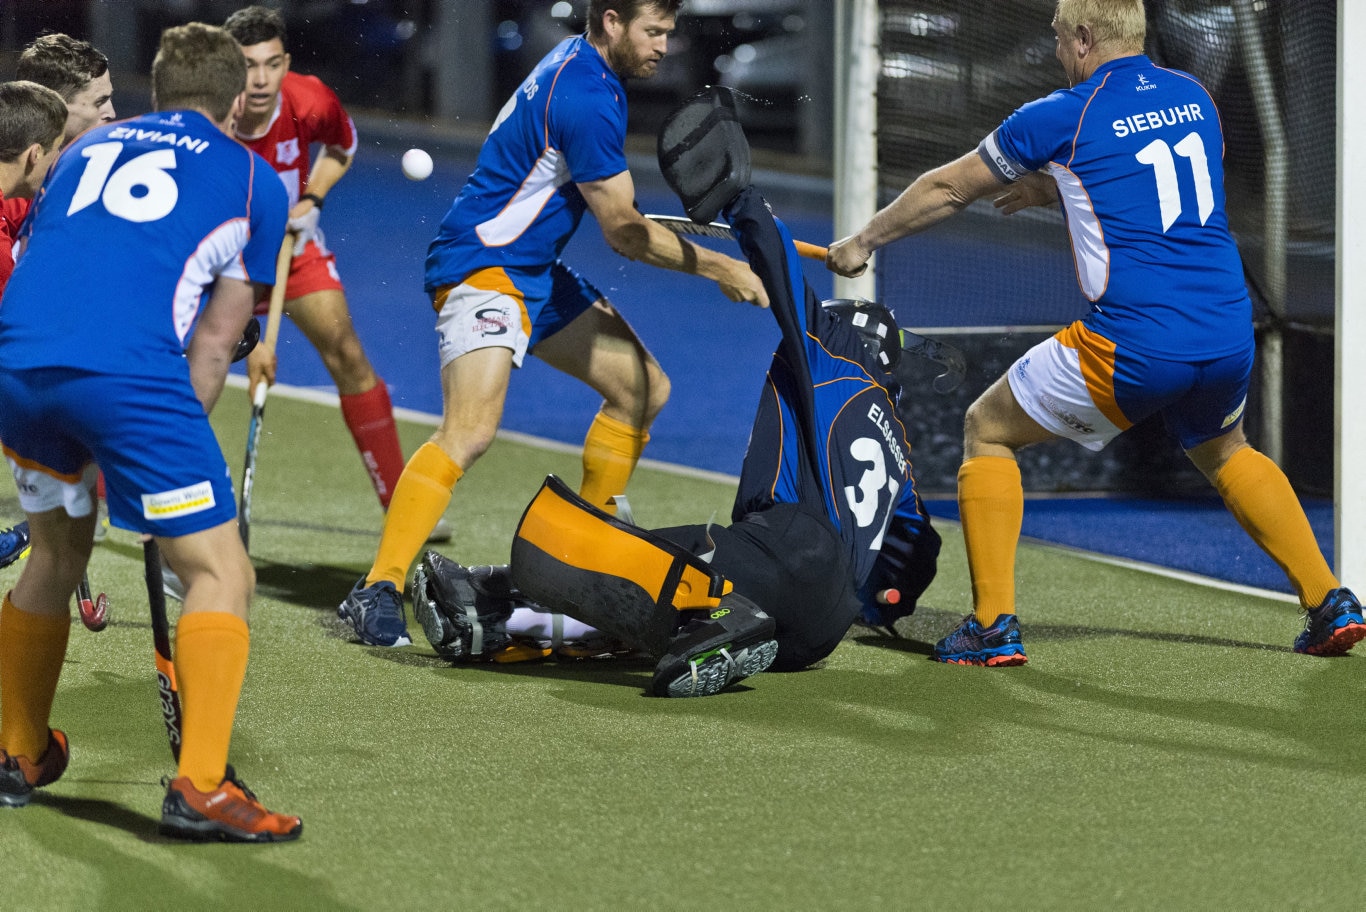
pixel 19 776
pixel 230 813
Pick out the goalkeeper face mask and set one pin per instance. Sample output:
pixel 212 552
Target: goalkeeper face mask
pixel 875 324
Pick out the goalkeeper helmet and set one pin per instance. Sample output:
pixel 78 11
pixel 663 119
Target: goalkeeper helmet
pixel 875 324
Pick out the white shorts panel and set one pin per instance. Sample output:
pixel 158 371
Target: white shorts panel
pixel 40 492
pixel 1048 383
pixel 473 318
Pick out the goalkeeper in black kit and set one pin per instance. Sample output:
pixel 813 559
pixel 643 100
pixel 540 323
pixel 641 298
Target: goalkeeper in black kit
pixel 827 524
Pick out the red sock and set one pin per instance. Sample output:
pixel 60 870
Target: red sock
pixel 370 418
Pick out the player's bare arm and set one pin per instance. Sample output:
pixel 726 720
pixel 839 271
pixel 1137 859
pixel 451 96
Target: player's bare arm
pixel 931 198
pixel 216 335
pixel 635 237
pixel 332 164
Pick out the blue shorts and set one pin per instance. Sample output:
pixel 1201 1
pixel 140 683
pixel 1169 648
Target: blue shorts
pixel 1082 386
pixel 570 295
pixel 164 471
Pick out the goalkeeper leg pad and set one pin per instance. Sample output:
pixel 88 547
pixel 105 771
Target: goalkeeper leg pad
pixel 569 556
pixel 463 610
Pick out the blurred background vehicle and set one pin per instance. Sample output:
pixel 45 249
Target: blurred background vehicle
pixel 458 60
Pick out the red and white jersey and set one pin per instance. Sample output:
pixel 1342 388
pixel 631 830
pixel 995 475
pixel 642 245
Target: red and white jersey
pixel 307 112
pixel 12 212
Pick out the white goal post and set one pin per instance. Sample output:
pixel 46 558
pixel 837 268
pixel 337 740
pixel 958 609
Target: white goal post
pixel 858 61
pixel 1349 447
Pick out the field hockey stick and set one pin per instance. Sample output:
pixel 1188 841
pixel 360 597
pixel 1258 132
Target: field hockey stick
pixel 94 611
pixel 940 352
pixel 685 226
pixel 258 395
pixel 161 639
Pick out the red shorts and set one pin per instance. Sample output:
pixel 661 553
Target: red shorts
pixel 312 270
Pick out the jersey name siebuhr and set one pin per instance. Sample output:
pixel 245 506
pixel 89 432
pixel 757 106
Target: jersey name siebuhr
pixel 1152 120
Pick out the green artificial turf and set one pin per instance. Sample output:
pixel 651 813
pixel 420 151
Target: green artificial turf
pixel 1164 749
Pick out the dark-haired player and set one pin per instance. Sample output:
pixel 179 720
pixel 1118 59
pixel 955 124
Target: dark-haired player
pixel 556 152
pixel 32 119
pixel 287 114
pixel 79 74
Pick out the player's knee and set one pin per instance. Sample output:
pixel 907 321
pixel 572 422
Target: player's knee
pixel 984 427
pixel 346 362
pixel 656 392
pixel 975 423
pixel 464 443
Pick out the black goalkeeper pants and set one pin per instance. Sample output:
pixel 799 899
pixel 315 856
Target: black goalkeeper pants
pixel 792 564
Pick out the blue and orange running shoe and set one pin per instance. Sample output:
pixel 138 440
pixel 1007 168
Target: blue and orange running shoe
pixel 1334 627
pixel 13 544
pixel 972 644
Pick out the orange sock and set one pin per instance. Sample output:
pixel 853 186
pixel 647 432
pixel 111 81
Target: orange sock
pixel 420 497
pixel 991 506
pixel 32 647
pixel 610 453
pixel 210 662
pixel 1258 494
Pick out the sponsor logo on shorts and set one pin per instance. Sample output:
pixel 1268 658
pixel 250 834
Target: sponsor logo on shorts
pixel 1232 417
pixel 492 321
pixel 180 502
pixel 1022 368
pixel 1066 417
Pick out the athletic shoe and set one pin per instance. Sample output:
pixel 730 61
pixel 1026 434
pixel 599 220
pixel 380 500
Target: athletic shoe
pixel 13 544
pixel 712 652
pixel 441 533
pixel 230 813
pixel 377 614
pixel 464 611
pixel 19 777
pixel 972 644
pixel 1334 627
